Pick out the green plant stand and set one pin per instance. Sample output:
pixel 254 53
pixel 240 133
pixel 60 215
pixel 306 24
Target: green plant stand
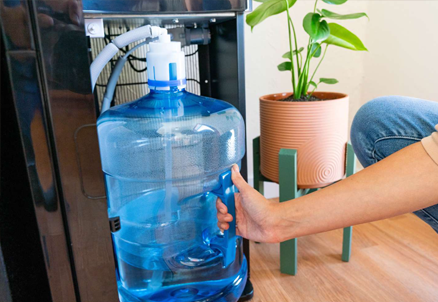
pixel 289 190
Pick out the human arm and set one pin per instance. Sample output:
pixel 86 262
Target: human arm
pixel 403 182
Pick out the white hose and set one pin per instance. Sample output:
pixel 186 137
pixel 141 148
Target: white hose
pixel 139 34
pixel 101 60
pixel 121 41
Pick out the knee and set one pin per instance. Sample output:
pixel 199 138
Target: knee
pixel 366 122
pixel 366 118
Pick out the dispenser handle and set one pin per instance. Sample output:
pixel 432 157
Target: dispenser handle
pixel 226 193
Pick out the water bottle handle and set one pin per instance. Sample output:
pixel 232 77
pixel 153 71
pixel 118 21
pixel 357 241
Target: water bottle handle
pixel 226 193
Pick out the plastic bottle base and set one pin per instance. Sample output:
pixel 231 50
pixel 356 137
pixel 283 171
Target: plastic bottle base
pixel 194 292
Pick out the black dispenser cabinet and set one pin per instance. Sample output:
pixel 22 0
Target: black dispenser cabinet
pixel 55 240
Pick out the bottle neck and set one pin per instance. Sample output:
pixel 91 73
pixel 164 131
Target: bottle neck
pixel 170 98
pixel 167 85
pixel 168 102
pixel 170 90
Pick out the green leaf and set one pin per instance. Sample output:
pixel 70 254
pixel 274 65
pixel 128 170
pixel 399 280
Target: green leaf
pixel 288 56
pixel 318 30
pixel 267 9
pixel 332 15
pixel 318 52
pixel 312 83
pixel 285 66
pixel 335 2
pixel 328 81
pixel 342 37
pixel 260 1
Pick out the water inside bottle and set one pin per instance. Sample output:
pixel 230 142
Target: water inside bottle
pixel 166 256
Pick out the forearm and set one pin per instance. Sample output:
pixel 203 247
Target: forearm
pixel 404 182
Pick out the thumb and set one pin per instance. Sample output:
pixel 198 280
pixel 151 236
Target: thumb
pixel 44 21
pixel 237 178
pixel 74 11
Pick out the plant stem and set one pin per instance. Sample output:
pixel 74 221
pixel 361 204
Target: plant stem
pixel 313 91
pixel 307 75
pixel 301 60
pixel 291 48
pixel 296 44
pixel 306 80
pixel 304 76
pixel 319 64
pixel 302 82
pixel 300 87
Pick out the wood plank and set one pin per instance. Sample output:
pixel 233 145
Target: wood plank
pixel 392 260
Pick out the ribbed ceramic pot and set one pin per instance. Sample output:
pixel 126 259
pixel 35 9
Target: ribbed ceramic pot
pixel 318 130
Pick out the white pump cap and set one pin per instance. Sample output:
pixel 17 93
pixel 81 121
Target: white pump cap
pixel 166 64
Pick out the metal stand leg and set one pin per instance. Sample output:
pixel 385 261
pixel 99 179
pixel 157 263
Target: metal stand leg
pixel 348 232
pixel 346 244
pixel 258 178
pixel 288 190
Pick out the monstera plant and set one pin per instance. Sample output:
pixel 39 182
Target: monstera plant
pixel 322 34
pixel 313 123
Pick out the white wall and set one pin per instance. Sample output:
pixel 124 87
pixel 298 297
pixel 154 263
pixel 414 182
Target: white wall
pixel 402 41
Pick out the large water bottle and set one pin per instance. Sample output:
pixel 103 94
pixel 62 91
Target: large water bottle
pixel 166 158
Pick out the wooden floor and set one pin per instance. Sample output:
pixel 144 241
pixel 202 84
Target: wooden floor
pixel 392 260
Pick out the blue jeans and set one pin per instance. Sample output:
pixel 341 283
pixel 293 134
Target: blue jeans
pixel 386 125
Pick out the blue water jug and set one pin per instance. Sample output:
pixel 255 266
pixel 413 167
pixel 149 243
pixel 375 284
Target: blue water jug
pixel 166 158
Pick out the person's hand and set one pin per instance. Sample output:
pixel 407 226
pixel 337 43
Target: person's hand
pixel 255 215
pixel 72 8
pixel 16 21
pixel 16 24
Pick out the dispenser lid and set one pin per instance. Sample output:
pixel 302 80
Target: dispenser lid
pixel 166 64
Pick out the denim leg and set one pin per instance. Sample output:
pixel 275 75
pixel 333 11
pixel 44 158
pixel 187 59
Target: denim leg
pixel 386 125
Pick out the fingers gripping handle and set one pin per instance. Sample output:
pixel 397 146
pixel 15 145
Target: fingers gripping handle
pixel 226 193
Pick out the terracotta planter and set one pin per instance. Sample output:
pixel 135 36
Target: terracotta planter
pixel 318 130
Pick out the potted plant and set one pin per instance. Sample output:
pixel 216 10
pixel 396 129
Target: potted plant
pixel 313 123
